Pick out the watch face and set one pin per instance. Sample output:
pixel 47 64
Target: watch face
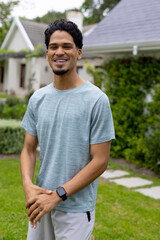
pixel 61 191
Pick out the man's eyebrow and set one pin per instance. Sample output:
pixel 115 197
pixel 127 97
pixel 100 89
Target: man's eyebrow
pixel 68 43
pixel 63 44
pixel 52 44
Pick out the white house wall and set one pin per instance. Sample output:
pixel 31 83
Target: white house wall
pixel 12 73
pixel 16 42
pixel 96 62
pixel 12 77
pixel 31 80
pixel 129 54
pixel 44 72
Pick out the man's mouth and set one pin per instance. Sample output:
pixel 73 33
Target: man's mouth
pixel 62 60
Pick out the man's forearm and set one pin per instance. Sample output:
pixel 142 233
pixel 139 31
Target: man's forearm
pixel 27 165
pixel 87 175
pixel 100 157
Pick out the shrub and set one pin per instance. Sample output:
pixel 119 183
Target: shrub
pixel 12 137
pixel 14 108
pixel 29 95
pixel 15 112
pixel 12 101
pixel 2 103
pixel 137 122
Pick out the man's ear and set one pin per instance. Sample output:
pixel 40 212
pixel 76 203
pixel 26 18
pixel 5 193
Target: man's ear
pixel 47 54
pixel 79 54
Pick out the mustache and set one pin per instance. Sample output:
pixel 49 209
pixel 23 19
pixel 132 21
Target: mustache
pixel 63 57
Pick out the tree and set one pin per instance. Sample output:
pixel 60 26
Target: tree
pixel 5 17
pixel 50 17
pixel 95 10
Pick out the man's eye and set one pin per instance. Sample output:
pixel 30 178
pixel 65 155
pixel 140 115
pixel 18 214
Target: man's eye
pixel 67 47
pixel 52 47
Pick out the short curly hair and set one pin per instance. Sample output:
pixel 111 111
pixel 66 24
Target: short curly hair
pixel 64 25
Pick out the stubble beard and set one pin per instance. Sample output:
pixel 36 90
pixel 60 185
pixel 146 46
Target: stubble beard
pixel 60 72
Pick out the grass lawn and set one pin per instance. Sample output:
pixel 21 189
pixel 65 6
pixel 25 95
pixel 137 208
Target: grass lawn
pixel 121 213
pixel 3 95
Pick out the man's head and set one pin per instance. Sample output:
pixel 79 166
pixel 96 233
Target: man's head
pixel 64 25
pixel 64 42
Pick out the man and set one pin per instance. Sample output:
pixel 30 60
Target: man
pixel 72 122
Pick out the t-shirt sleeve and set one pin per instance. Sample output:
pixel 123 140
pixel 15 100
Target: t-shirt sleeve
pixel 29 121
pixel 102 128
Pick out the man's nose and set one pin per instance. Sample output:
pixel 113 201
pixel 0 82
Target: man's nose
pixel 59 51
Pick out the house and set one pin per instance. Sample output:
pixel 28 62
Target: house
pixel 18 74
pixel 132 28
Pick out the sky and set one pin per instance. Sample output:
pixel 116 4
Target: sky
pixel 34 8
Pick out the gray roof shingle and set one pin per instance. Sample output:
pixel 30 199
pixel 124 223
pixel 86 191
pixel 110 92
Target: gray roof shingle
pixel 35 32
pixel 129 21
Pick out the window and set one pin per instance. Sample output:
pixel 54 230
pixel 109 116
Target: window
pixel 1 74
pixel 98 67
pixel 22 75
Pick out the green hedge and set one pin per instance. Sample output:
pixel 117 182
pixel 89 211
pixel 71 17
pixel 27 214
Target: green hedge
pixel 11 137
pixel 14 108
pixel 137 122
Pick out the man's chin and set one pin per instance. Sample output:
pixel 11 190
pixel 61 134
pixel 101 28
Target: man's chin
pixel 60 72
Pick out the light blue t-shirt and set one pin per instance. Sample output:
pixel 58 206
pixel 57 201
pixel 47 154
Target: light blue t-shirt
pixel 66 122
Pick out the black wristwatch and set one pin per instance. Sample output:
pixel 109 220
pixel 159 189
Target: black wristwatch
pixel 61 193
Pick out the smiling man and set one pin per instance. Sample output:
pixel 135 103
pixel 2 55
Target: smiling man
pixel 72 122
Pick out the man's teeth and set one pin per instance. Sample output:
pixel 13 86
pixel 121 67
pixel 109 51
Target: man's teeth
pixel 60 60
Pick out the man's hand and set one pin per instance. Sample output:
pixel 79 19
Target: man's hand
pixel 31 192
pixel 40 205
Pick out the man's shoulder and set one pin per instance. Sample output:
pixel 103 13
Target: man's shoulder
pixel 93 92
pixel 40 93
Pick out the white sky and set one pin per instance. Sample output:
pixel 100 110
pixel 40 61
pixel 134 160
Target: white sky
pixel 34 8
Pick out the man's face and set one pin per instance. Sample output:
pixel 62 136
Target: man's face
pixel 62 53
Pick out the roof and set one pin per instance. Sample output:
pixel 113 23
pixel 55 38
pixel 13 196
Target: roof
pixel 17 24
pixel 130 21
pixel 35 32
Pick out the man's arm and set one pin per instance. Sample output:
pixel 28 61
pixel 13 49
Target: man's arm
pixel 28 159
pixel 27 165
pixel 100 156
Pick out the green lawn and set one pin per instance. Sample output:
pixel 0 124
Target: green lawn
pixel 2 95
pixel 121 214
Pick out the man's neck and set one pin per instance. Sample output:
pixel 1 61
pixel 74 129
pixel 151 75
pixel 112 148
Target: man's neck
pixel 66 82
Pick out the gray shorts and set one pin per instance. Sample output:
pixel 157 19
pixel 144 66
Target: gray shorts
pixel 58 225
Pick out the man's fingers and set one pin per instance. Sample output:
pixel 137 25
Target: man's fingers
pixel 39 192
pixel 30 202
pixel 34 207
pixel 49 191
pixel 37 218
pixel 33 220
pixel 32 224
pixel 34 214
pixel 42 190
